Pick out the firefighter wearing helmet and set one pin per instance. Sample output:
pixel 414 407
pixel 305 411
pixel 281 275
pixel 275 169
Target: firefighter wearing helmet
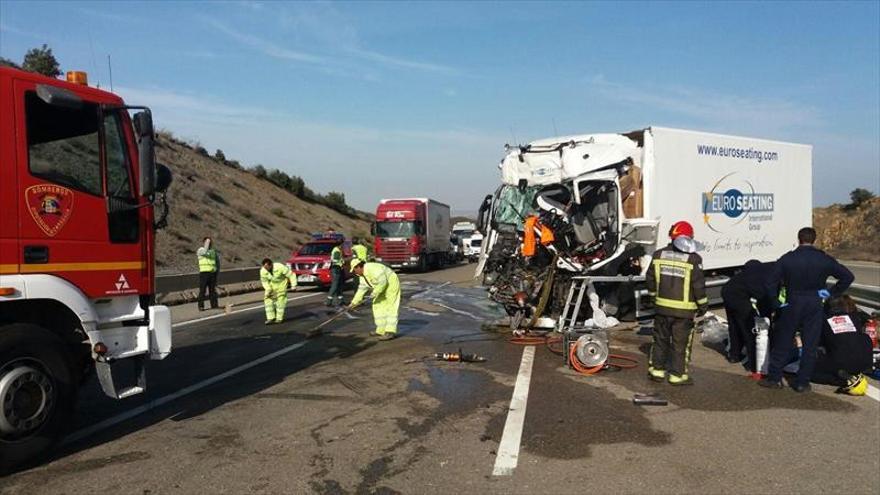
pixel 675 282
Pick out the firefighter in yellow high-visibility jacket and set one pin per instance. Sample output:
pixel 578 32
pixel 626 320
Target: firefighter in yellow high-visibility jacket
pixel 385 293
pixel 274 278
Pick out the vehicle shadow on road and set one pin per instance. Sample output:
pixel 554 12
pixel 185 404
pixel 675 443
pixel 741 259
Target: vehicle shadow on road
pixel 182 370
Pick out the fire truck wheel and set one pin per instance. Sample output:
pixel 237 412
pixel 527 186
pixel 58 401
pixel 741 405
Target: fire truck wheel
pixel 37 393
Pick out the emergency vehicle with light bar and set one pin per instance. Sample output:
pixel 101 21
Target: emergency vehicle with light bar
pixel 311 262
pixel 78 184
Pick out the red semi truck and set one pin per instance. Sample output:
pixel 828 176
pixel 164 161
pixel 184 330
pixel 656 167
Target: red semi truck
pixel 412 233
pixel 78 180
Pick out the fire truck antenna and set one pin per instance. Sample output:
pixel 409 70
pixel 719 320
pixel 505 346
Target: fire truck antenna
pixel 110 68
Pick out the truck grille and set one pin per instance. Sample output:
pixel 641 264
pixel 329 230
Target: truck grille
pixel 395 251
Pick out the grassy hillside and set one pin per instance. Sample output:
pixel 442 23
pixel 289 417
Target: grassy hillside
pixel 848 232
pixel 249 217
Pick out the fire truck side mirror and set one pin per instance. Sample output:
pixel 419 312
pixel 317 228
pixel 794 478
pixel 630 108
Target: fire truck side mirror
pixel 373 229
pixel 143 126
pixel 163 177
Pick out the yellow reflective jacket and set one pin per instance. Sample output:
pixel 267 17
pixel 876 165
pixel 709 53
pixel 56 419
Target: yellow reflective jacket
pixel 277 279
pixel 378 277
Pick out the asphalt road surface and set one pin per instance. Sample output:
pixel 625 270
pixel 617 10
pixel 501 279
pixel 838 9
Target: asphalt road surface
pixel 243 408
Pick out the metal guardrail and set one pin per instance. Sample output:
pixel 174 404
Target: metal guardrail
pixel 188 281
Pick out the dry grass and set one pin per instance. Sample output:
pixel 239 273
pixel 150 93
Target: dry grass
pixel 248 218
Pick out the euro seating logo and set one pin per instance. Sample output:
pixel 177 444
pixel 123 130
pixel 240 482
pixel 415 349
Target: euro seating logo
pixel 731 201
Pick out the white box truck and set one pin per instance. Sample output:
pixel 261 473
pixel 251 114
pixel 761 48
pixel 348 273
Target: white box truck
pixel 611 199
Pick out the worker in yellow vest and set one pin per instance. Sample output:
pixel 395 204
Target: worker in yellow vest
pixel 359 250
pixel 385 294
pixel 274 277
pixel 337 261
pixel 209 264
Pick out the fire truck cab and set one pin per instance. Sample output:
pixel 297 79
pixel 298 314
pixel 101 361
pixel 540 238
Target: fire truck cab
pixel 78 181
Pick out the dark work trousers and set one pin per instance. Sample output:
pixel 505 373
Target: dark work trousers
pixel 335 294
pixel 851 355
pixel 673 338
pixel 740 322
pixel 208 283
pixel 827 371
pixel 803 313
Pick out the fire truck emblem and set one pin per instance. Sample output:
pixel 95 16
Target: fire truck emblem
pixel 50 206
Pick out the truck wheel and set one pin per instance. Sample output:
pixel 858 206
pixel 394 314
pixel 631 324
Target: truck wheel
pixel 37 393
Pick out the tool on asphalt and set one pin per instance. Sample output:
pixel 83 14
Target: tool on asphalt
pixel 318 329
pixel 459 357
pixel 649 400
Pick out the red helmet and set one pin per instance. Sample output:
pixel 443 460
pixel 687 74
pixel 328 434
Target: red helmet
pixel 681 229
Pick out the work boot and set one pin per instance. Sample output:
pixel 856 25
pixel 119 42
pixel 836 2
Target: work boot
pixel 768 383
pixel 269 322
pixel 201 308
pixel 387 336
pixel 801 387
pixel 278 322
pixel 376 334
pixel 679 380
pixel 656 374
pixel 329 302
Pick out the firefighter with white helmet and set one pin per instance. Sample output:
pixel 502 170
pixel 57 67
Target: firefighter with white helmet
pixel 675 281
pixel 385 292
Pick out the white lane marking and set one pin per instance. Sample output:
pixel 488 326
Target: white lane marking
pixel 420 295
pixel 873 392
pixel 206 318
pixel 119 418
pixel 508 449
pixel 456 311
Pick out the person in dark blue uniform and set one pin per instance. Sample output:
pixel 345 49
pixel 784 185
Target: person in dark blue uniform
pixel 746 296
pixel 804 273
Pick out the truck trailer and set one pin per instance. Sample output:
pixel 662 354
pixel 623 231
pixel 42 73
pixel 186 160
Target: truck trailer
pixel 412 233
pixel 605 202
pixel 78 183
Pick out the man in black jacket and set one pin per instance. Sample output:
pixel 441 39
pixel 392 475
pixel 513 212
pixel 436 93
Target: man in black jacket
pixel 804 273
pixel 745 297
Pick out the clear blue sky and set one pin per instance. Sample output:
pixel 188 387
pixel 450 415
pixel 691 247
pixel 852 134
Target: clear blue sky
pixel 396 99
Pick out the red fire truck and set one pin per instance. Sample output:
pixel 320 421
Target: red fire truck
pixel 412 233
pixel 78 181
pixel 311 262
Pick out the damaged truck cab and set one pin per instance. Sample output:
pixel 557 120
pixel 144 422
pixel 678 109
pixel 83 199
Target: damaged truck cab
pixel 595 206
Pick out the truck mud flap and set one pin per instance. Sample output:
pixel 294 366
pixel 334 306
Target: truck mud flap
pixel 136 370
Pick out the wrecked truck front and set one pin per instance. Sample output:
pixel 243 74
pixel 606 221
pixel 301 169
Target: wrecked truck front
pixel 580 193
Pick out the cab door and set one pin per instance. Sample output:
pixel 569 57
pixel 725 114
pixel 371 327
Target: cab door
pixel 74 175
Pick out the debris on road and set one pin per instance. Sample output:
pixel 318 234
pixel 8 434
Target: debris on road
pixel 318 330
pixel 649 400
pixel 459 357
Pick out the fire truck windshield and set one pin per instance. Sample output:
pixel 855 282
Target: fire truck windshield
pixel 396 229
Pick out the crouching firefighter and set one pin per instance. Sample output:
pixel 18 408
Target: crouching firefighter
pixel 385 293
pixel 675 281
pixel 274 278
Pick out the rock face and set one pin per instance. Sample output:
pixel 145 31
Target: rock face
pixel 248 218
pixel 850 233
